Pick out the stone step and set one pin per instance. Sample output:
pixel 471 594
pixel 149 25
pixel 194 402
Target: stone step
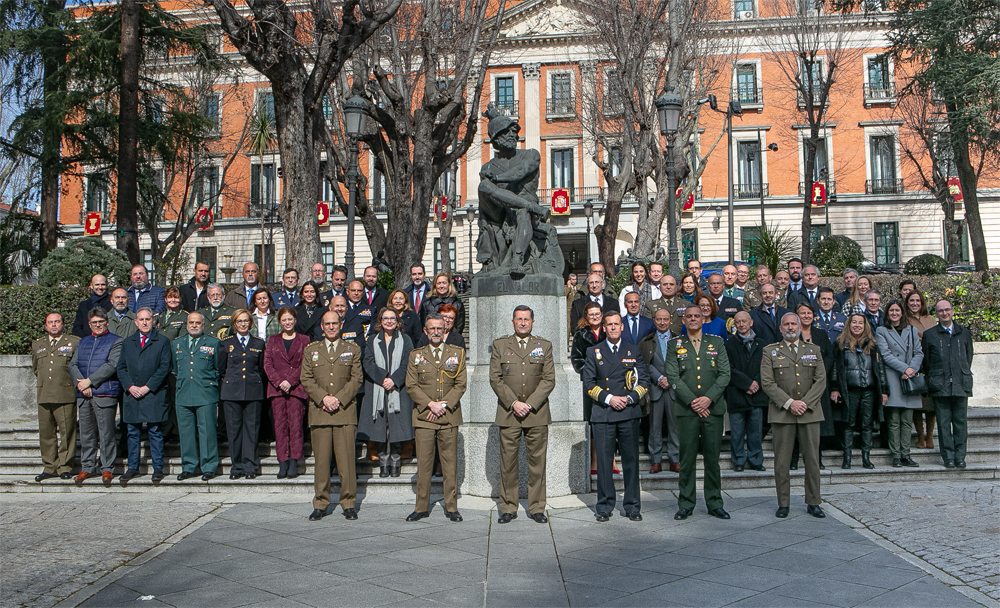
pixel 31 466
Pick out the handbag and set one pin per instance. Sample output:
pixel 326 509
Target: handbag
pixel 917 385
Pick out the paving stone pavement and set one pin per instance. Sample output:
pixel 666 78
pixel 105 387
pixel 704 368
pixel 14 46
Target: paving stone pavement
pixel 953 526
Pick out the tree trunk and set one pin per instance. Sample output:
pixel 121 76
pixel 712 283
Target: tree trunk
pixel 55 88
pixel 970 182
pixel 126 207
pixel 808 171
pixel 950 234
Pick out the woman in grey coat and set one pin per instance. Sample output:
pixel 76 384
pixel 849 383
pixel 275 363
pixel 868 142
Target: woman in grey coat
pixel 387 409
pixel 899 343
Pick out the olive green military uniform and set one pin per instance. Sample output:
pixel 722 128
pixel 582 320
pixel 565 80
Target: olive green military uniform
pixel 333 369
pixel 430 378
pixel 676 305
pixel 56 394
pixel 752 299
pixel 699 372
pixel 217 321
pixel 522 370
pixel 794 372
pixel 172 324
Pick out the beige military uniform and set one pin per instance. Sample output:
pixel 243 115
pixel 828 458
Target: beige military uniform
pixel 522 372
pixel 56 395
pixel 333 370
pixel 794 372
pixel 430 378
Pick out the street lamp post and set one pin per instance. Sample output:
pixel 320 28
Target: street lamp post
pixel 588 210
pixel 469 211
pixel 732 109
pixel 355 118
pixel 668 111
pixel 773 147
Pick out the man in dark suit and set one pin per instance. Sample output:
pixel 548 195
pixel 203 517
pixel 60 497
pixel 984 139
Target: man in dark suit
pixel 873 310
pixel 338 279
pixel 288 295
pixel 832 323
pixel 809 291
pixel 614 376
pixel 636 327
pixel 745 400
pixel 374 296
pixel 419 287
pixel 850 275
pixel 194 294
pixel 661 394
pixel 143 368
pixel 767 316
pixel 595 293
pixel 99 298
pixel 358 315
pixel 728 307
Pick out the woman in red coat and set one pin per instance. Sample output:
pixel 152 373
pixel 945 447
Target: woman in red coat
pixel 283 364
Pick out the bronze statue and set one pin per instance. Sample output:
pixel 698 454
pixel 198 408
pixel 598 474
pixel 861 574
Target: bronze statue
pixel 515 236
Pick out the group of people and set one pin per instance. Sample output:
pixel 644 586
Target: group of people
pixel 661 363
pixel 823 366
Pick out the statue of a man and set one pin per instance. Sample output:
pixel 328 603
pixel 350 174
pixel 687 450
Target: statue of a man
pixel 515 236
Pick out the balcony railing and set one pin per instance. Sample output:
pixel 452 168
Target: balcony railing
pixel 879 93
pixel 507 107
pixel 560 106
pixel 750 190
pixel 748 96
pixel 576 195
pixel 884 186
pixel 815 99
pixel 105 216
pixel 831 187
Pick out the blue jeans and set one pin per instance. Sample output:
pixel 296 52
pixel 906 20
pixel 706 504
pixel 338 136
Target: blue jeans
pixel 746 427
pixel 155 445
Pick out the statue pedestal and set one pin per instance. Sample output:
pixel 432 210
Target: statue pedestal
pixel 489 317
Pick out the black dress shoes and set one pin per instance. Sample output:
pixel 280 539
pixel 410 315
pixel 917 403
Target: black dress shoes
pixel 157 475
pixel 540 518
pixel 293 469
pixel 738 468
pixel 782 512
pixel 209 476
pixel 417 515
pixel 720 513
pixel 949 464
pixel 960 464
pixel 909 462
pixel 235 475
pixel 506 518
pixel 383 470
pixel 317 514
pixel 634 516
pixel 815 511
pixel 251 475
pixel 682 513
pixel 794 465
pixel 395 468
pixel 43 476
pixel 897 463
pixel 454 516
pixel 351 514
pixel 66 475
pixel 129 475
pixel 185 475
pixel 602 517
pixel 759 467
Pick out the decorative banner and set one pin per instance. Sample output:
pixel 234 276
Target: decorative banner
pixel 204 218
pixel 323 213
pixel 955 189
pixel 92 225
pixel 441 207
pixel 689 203
pixel 560 202
pixel 818 198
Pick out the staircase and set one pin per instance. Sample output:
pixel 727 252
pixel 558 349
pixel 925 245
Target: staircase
pixel 20 462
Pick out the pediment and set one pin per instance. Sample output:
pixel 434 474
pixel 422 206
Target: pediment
pixel 544 18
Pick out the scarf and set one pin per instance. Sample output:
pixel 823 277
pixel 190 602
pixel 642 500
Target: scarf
pixel 645 293
pixel 380 399
pixel 747 340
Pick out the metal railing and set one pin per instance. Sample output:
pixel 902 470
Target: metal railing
pixel 748 96
pixel 576 195
pixel 750 191
pixel 815 98
pixel 880 91
pixel 884 186
pixel 506 107
pixel 560 106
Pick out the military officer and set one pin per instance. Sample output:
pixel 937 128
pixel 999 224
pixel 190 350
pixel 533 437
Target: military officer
pixel 698 368
pixel 218 317
pixel 435 381
pixel 172 322
pixel 793 376
pixel 522 374
pixel 670 302
pixel 331 375
pixel 615 377
pixel 196 367
pixel 50 357
pixel 358 315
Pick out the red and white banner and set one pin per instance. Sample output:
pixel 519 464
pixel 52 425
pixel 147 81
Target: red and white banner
pixel 955 189
pixel 323 213
pixel 204 218
pixel 818 196
pixel 560 202
pixel 92 224
pixel 689 203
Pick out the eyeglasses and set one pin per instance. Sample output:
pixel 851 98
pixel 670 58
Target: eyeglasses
pixel 98 323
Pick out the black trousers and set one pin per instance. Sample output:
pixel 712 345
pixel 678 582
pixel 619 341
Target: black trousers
pixel 860 408
pixel 242 422
pixel 625 437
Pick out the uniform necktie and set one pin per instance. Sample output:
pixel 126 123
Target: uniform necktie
pixel 142 342
pixel 437 355
pixel 614 348
pixel 243 342
pixel 52 341
pixel 523 342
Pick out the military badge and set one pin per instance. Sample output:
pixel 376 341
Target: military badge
pixel 452 360
pixel 538 353
pixel 418 359
pixel 208 350
pixel 346 355
pixel 231 347
pixel 349 335
pixel 315 355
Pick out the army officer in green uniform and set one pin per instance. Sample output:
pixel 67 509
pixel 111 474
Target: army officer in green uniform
pixel 196 398
pixel 522 374
pixel 218 316
pixel 698 368
pixel 50 357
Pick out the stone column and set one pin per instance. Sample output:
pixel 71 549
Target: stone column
pixel 474 157
pixel 588 97
pixel 532 106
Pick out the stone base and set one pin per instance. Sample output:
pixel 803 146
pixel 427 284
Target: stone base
pixel 17 399
pixel 531 285
pixel 566 470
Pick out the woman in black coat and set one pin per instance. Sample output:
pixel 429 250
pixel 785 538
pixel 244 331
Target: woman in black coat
pixel 859 379
pixel 241 373
pixel 820 338
pixel 309 310
pixel 386 413
pixel 590 333
pixel 409 321
pixel 746 410
pixel 443 292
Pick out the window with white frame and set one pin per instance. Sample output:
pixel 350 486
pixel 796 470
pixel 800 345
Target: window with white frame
pixel 748 171
pixel 380 190
pixel 811 76
pixel 878 79
pixel 748 90
pixel 562 169
pixel 743 9
pixel 206 188
pixel 326 251
pixel 503 95
pixel 326 187
pixel 265 104
pixel 614 99
pixel 945 155
pixel 211 109
pixel 560 100
pixel 263 186
pixel 97 191
pixel 882 165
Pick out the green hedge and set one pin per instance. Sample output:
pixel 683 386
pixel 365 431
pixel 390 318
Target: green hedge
pixel 836 253
pixel 23 310
pixel 926 264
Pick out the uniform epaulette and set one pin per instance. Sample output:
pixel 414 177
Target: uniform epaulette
pixel 594 393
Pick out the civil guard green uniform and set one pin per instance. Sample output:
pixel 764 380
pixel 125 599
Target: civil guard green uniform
pixel 196 402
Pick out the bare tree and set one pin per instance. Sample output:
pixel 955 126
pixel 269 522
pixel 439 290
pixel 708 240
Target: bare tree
pixel 810 47
pixel 301 49
pixel 428 69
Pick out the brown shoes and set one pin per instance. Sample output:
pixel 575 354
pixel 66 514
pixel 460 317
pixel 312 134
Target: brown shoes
pixel 82 475
pixel 675 467
pixel 655 468
pixel 107 476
